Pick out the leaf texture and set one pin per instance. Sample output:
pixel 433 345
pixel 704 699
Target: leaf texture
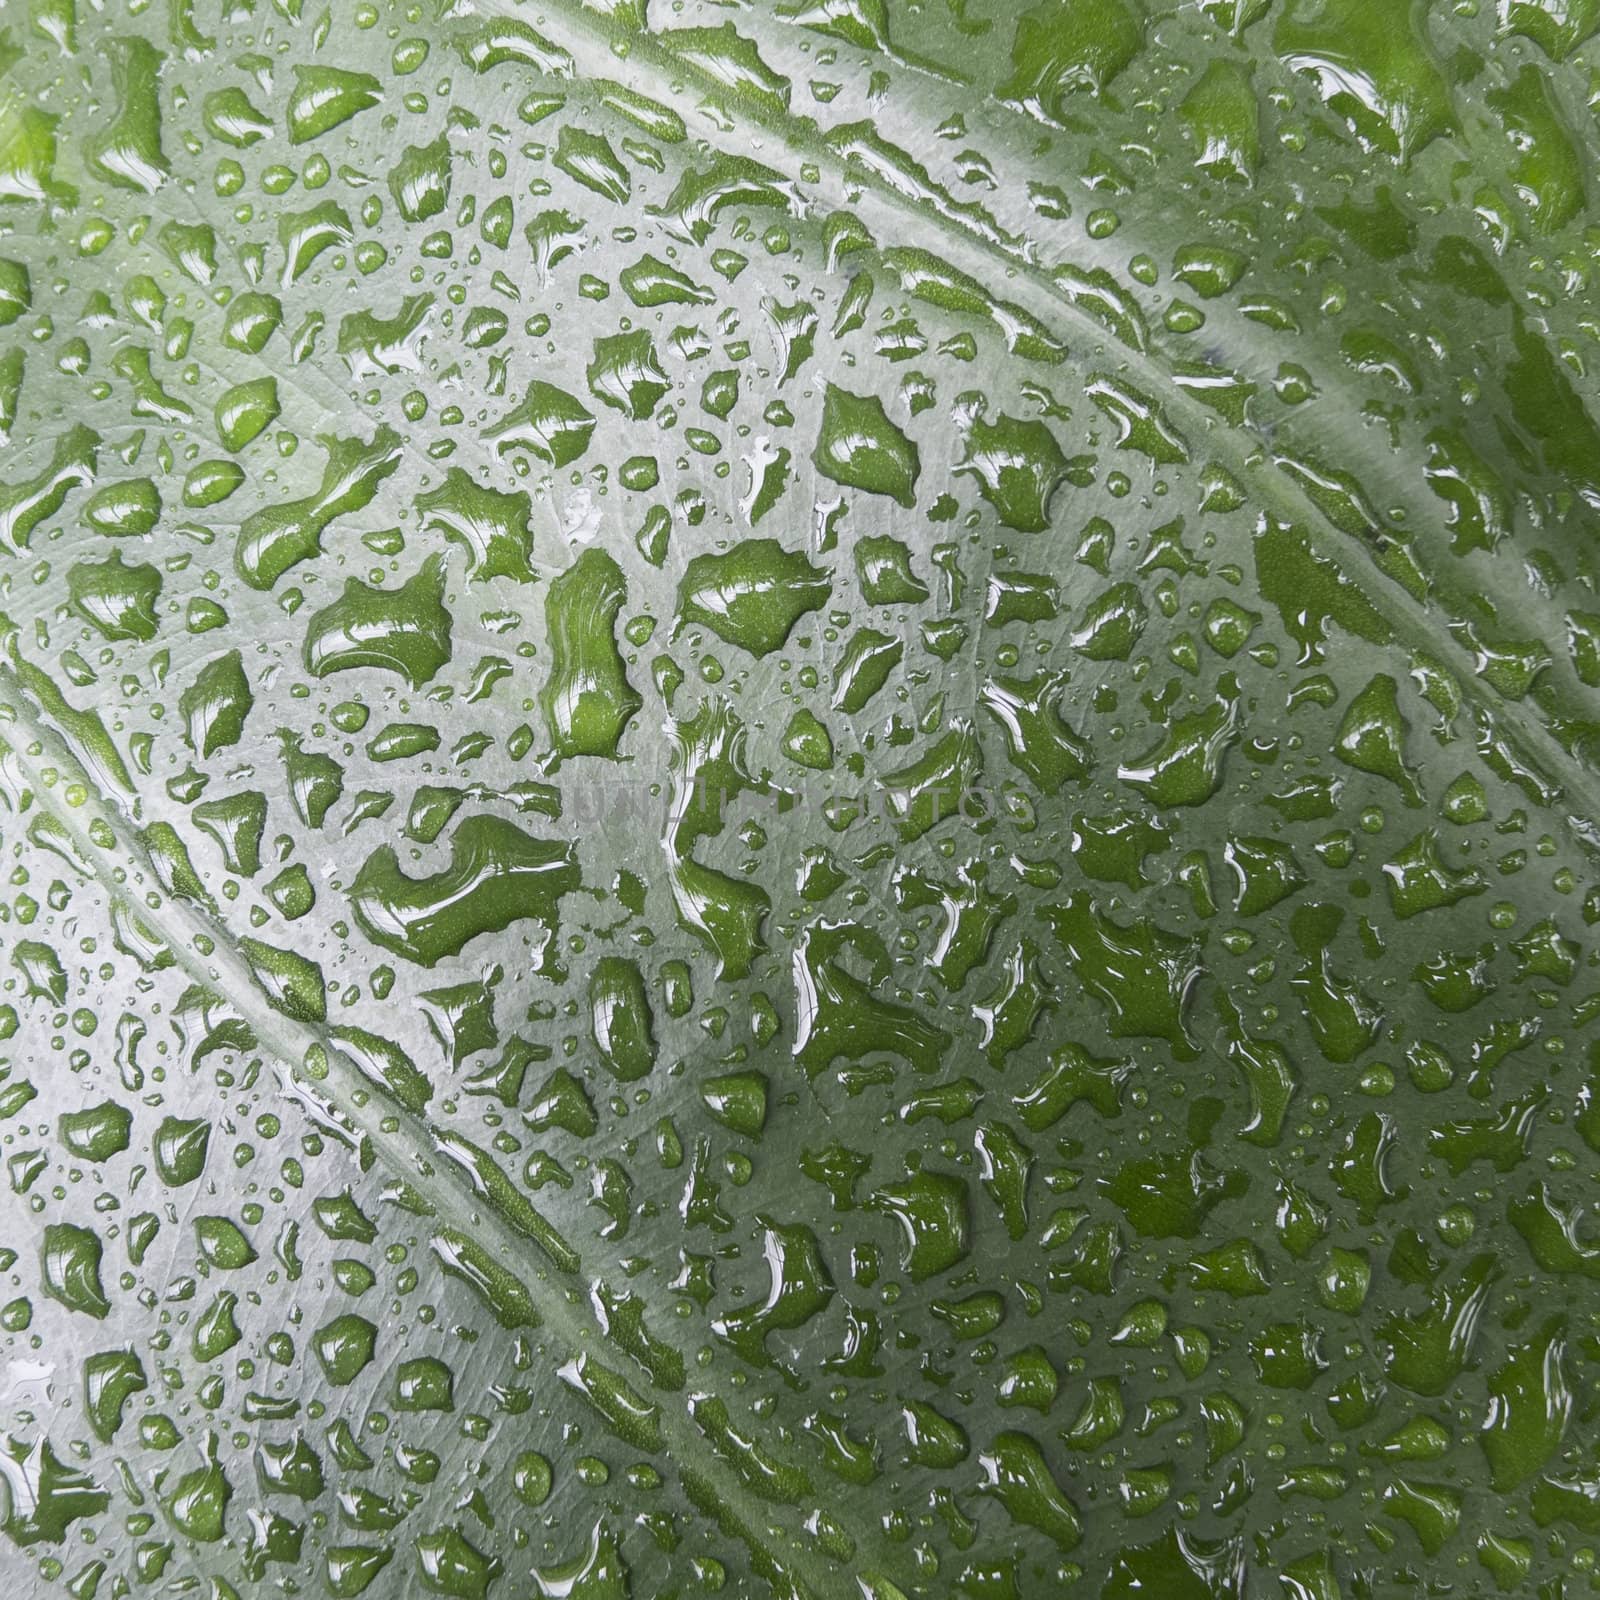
pixel 798 799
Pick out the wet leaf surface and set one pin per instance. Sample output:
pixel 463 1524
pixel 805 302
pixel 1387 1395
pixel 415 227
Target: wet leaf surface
pixel 798 800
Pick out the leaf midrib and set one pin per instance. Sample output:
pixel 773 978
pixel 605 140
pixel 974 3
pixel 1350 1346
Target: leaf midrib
pixel 402 1141
pixel 602 48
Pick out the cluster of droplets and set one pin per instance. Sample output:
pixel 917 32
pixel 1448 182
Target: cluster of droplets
pixel 1002 935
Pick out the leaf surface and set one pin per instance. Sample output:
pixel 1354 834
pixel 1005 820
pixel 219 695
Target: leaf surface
pixel 797 801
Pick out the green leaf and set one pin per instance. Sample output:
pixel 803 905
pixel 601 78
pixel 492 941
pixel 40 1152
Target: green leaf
pixel 799 800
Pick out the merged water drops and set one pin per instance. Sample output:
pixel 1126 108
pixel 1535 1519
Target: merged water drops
pixel 797 802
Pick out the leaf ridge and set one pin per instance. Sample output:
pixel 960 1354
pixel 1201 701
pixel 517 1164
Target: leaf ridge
pixel 458 1186
pixel 596 43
